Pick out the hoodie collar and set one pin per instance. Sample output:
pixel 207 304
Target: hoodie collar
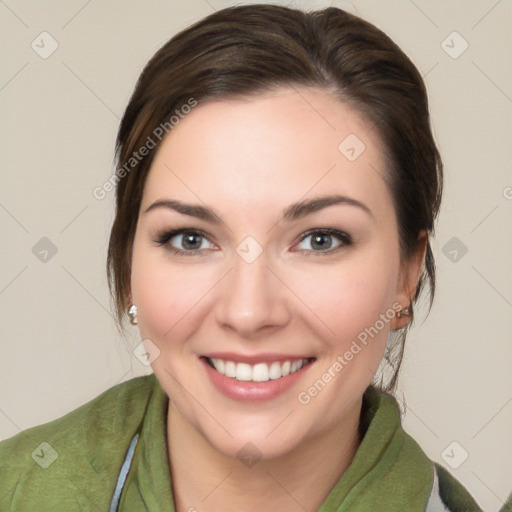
pixel 389 472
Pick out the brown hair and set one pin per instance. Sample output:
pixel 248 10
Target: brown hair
pixel 250 49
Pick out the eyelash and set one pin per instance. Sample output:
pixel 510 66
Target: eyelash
pixel 163 238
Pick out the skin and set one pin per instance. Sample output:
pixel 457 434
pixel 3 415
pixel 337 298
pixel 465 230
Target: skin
pixel 248 160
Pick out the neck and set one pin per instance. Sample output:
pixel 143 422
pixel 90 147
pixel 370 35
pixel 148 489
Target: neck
pixel 207 480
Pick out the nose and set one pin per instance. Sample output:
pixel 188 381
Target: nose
pixel 253 299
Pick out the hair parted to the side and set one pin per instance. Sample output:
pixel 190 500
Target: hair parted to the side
pixel 251 49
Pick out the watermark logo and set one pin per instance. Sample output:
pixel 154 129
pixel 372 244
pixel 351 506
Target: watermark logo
pixel 146 352
pixel 249 249
pixel 454 249
pixel 305 397
pixel 137 156
pixel 44 250
pixel 44 45
pixel 45 455
pixel 454 45
pixel 351 147
pixel 249 454
pixel 454 455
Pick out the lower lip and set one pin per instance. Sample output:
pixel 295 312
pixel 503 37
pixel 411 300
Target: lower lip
pixel 248 391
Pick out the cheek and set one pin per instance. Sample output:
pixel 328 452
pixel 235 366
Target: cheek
pixel 166 295
pixel 350 296
pixel 338 300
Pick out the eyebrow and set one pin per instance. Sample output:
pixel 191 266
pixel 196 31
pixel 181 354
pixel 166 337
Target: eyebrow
pixel 291 213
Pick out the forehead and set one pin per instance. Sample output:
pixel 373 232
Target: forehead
pixel 269 150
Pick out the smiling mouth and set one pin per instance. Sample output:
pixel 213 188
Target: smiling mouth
pixel 260 372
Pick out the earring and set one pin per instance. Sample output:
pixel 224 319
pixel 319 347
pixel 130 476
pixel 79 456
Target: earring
pixel 132 313
pixel 404 312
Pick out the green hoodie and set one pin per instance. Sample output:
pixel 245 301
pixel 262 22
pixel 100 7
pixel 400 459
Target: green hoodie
pixel 110 454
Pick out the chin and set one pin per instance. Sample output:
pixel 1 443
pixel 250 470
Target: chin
pixel 249 448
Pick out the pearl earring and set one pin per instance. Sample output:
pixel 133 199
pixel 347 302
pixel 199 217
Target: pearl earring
pixel 404 312
pixel 132 313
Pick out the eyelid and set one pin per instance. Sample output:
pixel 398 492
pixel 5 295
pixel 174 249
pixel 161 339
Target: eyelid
pixel 327 231
pixel 164 236
pixel 344 238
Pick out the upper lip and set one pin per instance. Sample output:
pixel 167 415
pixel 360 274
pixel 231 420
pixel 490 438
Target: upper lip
pixel 255 358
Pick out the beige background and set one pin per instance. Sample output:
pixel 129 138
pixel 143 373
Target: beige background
pixel 59 346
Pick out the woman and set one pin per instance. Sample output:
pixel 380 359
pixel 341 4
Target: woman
pixel 277 187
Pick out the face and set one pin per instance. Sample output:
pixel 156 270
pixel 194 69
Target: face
pixel 264 314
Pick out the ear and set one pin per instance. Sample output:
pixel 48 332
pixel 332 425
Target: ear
pixel 409 275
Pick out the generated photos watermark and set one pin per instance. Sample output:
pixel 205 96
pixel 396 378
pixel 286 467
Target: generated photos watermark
pixel 151 142
pixel 305 397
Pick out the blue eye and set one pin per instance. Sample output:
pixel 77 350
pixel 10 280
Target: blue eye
pixel 191 241
pixel 322 239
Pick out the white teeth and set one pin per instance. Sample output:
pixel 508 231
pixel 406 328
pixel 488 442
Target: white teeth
pixel 243 371
pixel 219 365
pixel 230 369
pixel 275 370
pixel 260 372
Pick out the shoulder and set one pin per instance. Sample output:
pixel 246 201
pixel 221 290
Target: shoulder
pixel 449 492
pixel 449 495
pixel 85 445
pixel 413 471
